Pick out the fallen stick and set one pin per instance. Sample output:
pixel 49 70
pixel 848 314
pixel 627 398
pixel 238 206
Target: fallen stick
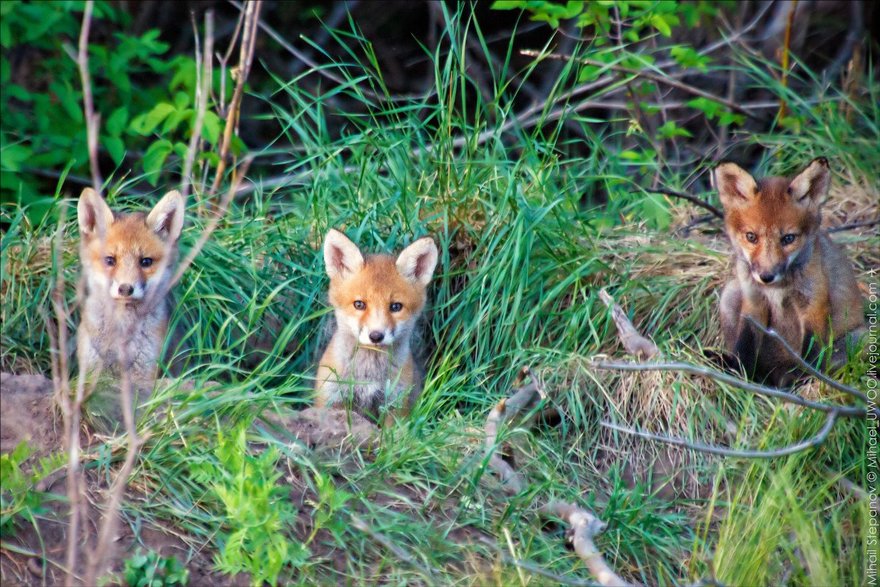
pixel 511 481
pixel 634 343
pixel 807 367
pixel 583 527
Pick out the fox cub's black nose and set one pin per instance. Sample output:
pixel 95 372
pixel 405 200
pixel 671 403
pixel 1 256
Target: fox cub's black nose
pixel 768 277
pixel 126 289
pixel 377 336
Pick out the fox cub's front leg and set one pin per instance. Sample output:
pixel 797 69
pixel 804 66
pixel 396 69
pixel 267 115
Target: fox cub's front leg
pixel 740 336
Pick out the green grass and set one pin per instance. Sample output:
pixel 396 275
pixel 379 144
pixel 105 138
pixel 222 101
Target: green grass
pixel 522 260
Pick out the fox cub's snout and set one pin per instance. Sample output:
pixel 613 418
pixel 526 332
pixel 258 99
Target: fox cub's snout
pixel 377 301
pixel 123 254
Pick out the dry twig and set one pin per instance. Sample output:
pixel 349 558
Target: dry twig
pixel 98 560
pixel 786 51
pixel 634 343
pixel 69 410
pixel 511 481
pixel 583 527
pixel 660 79
pixel 692 199
pixel 628 334
pixel 72 410
pixel 109 523
pixel 808 368
pixel 811 442
pixel 92 119
pixel 852 225
pixel 246 56
pixel 842 411
pixel 204 77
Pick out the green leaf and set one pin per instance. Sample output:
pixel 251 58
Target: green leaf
pixel 211 126
pixel 727 118
pixel 69 99
pixel 507 4
pixel 659 23
pixel 154 158
pixel 687 57
pixel 670 130
pixel 175 118
pixel 145 124
pixel 116 121
pixel 116 147
pixel 184 75
pixel 710 108
pixel 181 100
pixel 12 156
pixel 629 155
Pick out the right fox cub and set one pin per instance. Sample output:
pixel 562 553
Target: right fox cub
pixel 788 275
pixel 377 301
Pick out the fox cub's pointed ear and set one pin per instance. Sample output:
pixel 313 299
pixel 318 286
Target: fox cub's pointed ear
pixel 341 256
pixel 93 213
pixel 417 262
pixel 166 218
pixel 812 183
pixel 734 184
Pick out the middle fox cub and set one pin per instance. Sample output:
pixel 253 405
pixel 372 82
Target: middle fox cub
pixel 377 300
pixel 788 274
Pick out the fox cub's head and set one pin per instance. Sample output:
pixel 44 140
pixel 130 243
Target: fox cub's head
pixel 377 297
pixel 772 222
pixel 122 254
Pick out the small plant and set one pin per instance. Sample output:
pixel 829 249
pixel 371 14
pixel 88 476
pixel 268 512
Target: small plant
pixel 257 509
pixel 150 569
pixel 331 502
pixel 19 499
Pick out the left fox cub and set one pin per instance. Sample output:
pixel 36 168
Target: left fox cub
pixel 125 258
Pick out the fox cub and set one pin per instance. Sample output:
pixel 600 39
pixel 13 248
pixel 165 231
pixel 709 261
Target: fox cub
pixel 377 299
pixel 788 275
pixel 121 256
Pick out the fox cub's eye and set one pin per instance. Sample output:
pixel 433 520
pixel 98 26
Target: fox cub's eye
pixel 396 307
pixel 788 239
pixel 751 237
pixel 359 305
pixel 146 262
pixel 110 260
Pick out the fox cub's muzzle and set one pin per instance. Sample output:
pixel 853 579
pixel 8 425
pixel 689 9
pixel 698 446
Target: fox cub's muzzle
pixel 765 277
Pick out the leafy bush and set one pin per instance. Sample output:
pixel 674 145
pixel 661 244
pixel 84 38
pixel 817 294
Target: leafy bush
pixel 143 95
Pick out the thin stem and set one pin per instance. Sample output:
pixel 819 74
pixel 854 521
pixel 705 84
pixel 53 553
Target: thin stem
pixel 806 366
pixel 811 442
pixel 843 411
pixel 92 120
